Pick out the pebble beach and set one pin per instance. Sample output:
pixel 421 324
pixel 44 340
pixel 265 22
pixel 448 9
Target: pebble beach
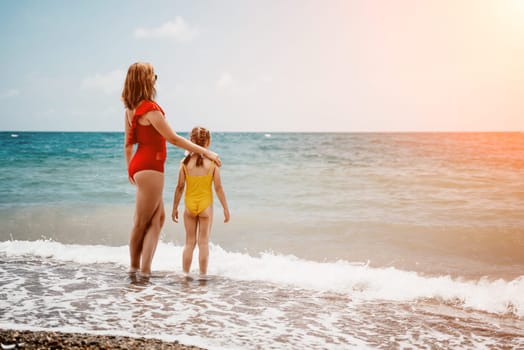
pixel 15 339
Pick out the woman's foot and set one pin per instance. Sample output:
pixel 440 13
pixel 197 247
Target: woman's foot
pixel 144 277
pixel 132 274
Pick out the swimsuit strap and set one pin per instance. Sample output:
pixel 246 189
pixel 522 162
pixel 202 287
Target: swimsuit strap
pixel 147 106
pixel 211 168
pixel 210 172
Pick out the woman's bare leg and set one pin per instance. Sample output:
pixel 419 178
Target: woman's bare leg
pixel 149 184
pixel 151 239
pixel 205 220
pixel 191 224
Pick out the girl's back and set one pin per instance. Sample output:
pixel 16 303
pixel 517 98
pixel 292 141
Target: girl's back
pixel 194 170
pixel 199 179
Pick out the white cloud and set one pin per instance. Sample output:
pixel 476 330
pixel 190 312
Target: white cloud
pixel 10 93
pixel 266 79
pixel 225 81
pixel 108 83
pixel 178 29
pixel 48 112
pixel 227 84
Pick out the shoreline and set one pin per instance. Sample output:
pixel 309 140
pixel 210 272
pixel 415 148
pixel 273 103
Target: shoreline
pixel 25 339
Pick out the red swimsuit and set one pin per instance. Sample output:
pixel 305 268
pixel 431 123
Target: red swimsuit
pixel 151 150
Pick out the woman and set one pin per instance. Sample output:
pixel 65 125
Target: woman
pixel 146 125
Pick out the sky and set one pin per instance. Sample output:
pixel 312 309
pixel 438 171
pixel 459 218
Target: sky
pixel 268 65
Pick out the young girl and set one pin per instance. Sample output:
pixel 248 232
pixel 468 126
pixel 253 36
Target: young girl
pixel 198 173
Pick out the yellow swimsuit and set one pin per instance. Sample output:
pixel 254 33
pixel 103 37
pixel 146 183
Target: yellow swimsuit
pixel 199 194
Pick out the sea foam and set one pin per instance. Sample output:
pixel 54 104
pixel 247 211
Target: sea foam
pixel 360 281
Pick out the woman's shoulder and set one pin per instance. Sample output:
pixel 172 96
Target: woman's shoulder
pixel 148 106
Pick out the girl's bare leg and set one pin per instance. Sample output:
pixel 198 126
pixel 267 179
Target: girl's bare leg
pixel 205 219
pixel 191 224
pixel 149 205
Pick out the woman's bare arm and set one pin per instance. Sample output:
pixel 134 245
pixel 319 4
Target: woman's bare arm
pixel 178 193
pixel 162 126
pixel 128 148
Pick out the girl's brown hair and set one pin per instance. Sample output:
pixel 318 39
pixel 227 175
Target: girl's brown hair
pixel 139 85
pixel 201 136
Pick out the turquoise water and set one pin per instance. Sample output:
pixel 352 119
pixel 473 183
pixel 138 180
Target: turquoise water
pixel 356 227
pixel 421 195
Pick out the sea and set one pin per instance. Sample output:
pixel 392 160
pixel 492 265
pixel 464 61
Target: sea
pixel 336 241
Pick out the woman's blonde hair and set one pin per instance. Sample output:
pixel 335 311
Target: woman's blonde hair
pixel 139 84
pixel 201 136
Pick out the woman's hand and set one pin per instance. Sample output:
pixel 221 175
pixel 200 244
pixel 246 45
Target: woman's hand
pixel 214 157
pixel 131 180
pixel 174 215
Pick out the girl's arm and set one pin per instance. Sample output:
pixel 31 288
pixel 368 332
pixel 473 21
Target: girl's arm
pixel 161 125
pixel 219 190
pixel 178 193
pixel 128 148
